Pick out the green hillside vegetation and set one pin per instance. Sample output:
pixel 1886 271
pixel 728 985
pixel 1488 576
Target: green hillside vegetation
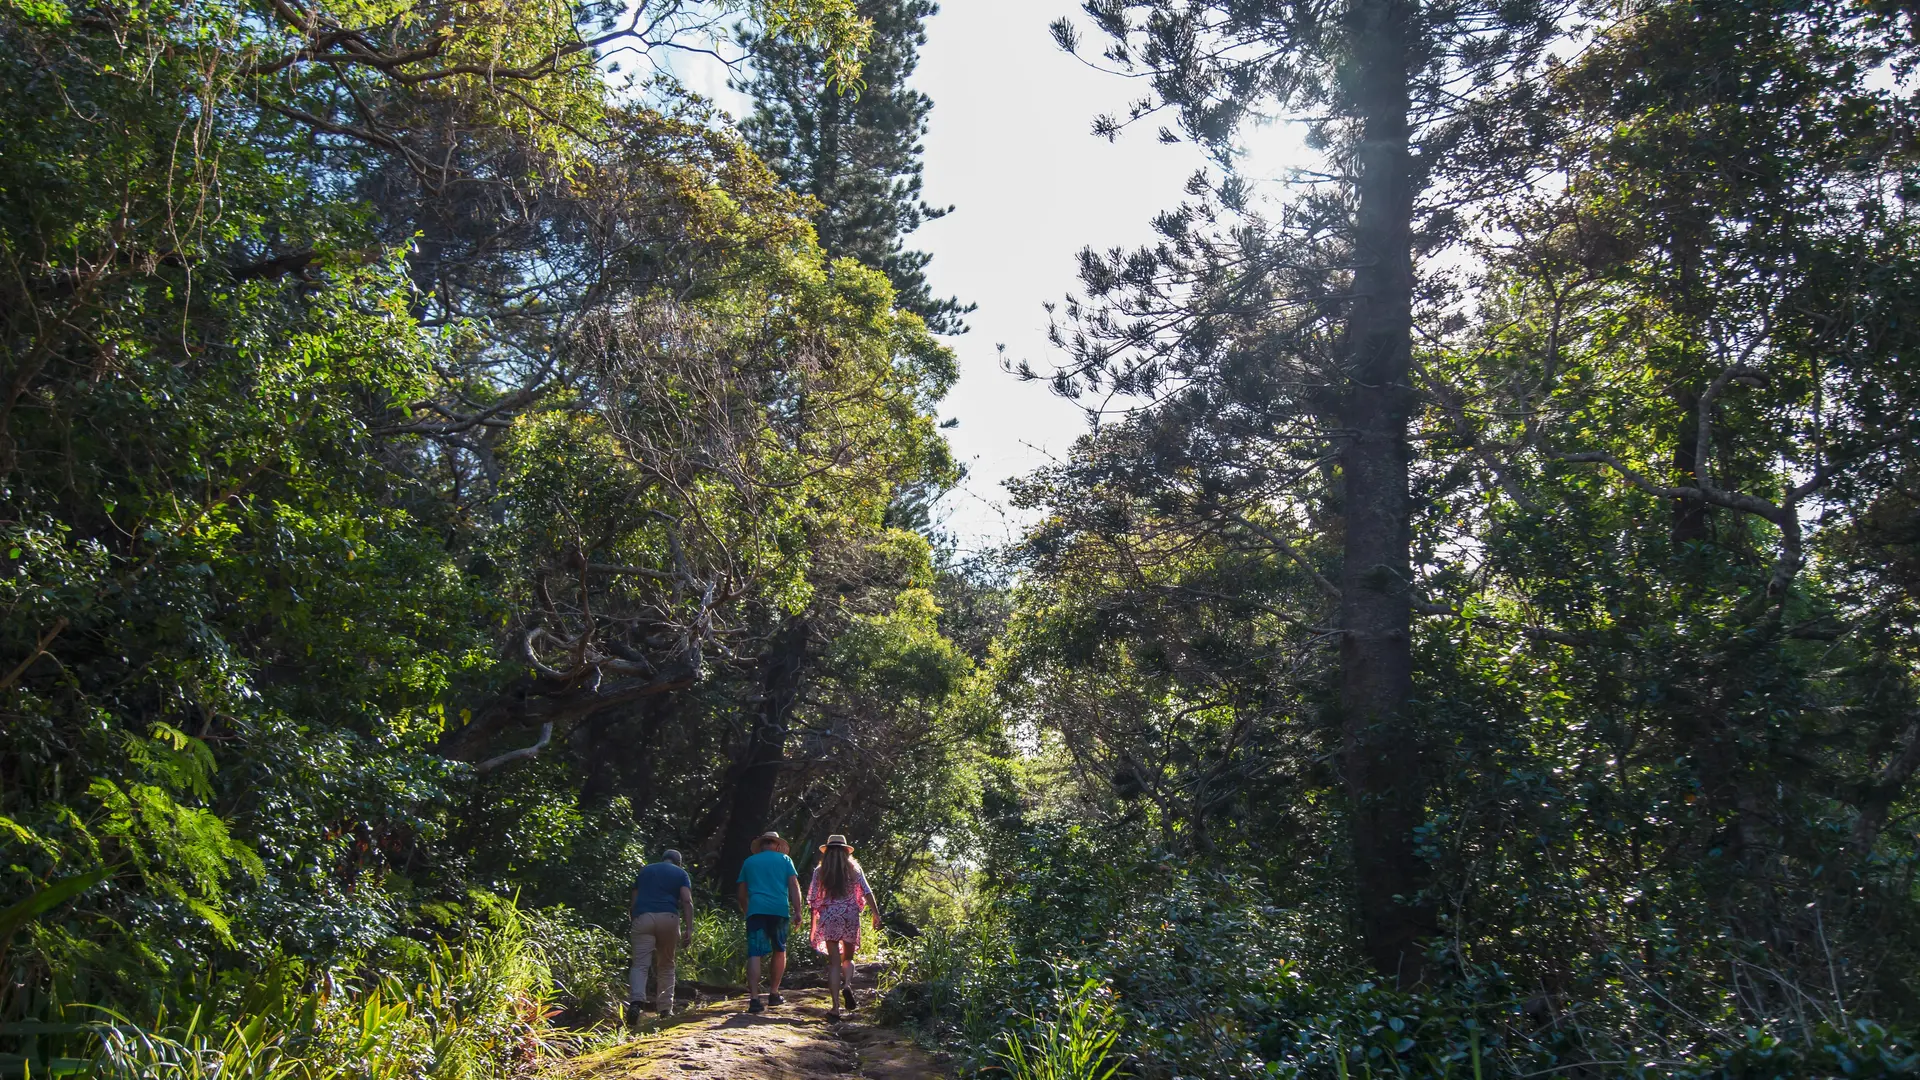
pixel 445 462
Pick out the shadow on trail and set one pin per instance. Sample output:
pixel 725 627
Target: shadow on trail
pixel 755 1019
pixel 793 1041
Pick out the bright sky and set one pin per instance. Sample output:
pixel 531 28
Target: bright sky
pixel 1011 148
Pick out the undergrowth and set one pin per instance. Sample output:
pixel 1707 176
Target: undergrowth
pixel 475 1008
pixel 1157 975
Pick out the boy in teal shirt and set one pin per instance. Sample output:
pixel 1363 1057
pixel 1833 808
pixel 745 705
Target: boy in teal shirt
pixel 769 892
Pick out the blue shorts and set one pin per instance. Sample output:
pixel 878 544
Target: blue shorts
pixel 766 934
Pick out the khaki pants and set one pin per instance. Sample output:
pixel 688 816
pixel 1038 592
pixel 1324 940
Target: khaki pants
pixel 654 933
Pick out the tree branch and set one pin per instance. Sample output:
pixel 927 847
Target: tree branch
pixel 522 754
pixel 39 650
pixel 1878 796
pixel 457 423
pixel 1326 587
pixel 542 701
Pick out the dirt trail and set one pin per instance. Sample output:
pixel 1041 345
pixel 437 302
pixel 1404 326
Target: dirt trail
pixel 794 1041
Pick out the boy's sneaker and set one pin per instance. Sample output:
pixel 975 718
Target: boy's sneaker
pixel 754 1005
pixel 776 999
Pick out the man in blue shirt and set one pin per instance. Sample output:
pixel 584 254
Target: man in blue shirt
pixel 770 899
pixel 662 920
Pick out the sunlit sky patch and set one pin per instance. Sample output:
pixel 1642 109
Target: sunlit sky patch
pixel 1011 148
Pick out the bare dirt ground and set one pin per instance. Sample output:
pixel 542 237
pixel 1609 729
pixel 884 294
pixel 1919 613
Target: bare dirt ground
pixel 794 1041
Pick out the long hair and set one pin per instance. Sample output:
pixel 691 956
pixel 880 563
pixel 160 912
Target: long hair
pixel 837 870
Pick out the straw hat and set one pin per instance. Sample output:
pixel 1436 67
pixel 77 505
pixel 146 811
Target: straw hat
pixel 836 840
pixel 767 840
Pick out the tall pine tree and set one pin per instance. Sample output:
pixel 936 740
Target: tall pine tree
pixel 1304 334
pixel 856 148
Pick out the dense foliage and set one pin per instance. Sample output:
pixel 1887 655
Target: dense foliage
pixel 400 413
pixel 442 464
pixel 1627 500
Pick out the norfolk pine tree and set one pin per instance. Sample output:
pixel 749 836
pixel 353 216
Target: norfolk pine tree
pixel 855 148
pixel 1390 88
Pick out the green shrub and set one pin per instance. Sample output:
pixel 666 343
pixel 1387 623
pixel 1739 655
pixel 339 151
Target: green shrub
pixel 718 953
pixel 1091 952
pixel 475 1008
pixel 588 963
pixel 1859 1049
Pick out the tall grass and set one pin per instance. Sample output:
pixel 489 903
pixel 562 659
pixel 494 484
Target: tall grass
pixel 245 1049
pixel 477 1009
pixel 718 954
pixel 1075 1042
pixel 587 964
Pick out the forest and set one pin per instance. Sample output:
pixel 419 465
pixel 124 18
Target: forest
pixel 446 461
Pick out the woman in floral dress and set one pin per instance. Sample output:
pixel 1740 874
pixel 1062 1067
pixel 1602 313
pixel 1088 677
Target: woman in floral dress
pixel 837 895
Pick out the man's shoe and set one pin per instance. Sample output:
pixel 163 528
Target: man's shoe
pixel 754 1005
pixel 776 999
pixel 630 1013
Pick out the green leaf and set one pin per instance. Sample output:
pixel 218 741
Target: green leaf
pixel 44 12
pixel 47 899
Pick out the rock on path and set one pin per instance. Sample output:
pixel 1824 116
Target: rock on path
pixel 794 1041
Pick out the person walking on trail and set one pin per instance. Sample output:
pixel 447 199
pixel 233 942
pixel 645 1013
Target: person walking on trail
pixel 770 899
pixel 662 922
pixel 836 896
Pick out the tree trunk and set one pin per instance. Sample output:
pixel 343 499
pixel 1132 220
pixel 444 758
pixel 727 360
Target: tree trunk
pixel 757 778
pixel 1689 515
pixel 824 184
pixel 618 753
pixel 1877 798
pixel 1381 753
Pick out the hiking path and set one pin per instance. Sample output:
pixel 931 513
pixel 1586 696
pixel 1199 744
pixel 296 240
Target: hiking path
pixel 793 1041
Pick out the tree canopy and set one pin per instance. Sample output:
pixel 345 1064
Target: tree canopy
pixel 445 462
